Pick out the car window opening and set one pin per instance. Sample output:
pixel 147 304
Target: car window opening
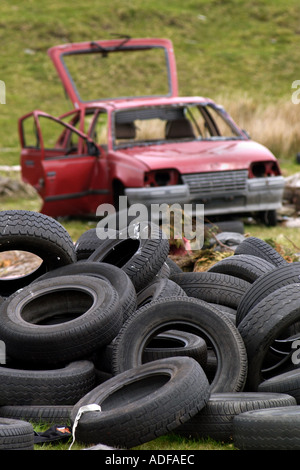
pixel 157 125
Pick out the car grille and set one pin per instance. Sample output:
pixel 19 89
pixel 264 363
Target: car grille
pixel 216 182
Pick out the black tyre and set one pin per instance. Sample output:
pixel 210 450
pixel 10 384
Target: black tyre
pixel 257 247
pixel 37 234
pixel 184 314
pixel 287 382
pixel 269 429
pixel 116 276
pixel 266 328
pixel 46 387
pixel 42 414
pixel 89 241
pixel 154 398
pixel 268 218
pixel 16 435
pixel 164 271
pixel 158 289
pixel 212 287
pixel 215 420
pixel 265 285
pixel 167 344
pixel 176 343
pixel 60 320
pixel 247 267
pixel 174 268
pixel 228 311
pixel 141 257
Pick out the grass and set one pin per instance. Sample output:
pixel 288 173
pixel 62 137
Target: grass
pixel 167 442
pixel 243 54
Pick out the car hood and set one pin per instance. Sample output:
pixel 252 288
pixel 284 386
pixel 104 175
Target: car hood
pixel 204 156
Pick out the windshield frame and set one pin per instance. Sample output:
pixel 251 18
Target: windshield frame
pixel 187 106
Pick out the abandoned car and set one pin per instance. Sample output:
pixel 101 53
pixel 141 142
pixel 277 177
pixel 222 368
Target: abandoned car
pixel 144 141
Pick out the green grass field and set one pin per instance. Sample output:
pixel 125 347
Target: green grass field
pixel 243 54
pixel 240 53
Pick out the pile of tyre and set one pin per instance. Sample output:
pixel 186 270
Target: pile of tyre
pixel 111 335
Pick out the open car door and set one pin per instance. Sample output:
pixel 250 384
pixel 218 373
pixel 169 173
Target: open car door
pixel 62 163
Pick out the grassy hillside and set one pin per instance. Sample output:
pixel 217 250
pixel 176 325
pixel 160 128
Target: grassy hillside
pixel 243 54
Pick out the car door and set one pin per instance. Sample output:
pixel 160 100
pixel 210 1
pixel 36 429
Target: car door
pixel 61 162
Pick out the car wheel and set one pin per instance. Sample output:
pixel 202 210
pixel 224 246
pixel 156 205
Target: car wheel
pixel 268 218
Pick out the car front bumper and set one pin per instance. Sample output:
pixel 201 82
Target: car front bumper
pixel 259 194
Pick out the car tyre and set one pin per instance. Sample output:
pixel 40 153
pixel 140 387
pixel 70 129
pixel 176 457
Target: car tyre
pixel 266 284
pixel 271 319
pixel 141 257
pixel 212 287
pixel 60 320
pixel 46 387
pixel 257 247
pixel 154 398
pixel 37 234
pixel 116 276
pixel 16 435
pixel 215 420
pixel 247 267
pixel 184 314
pixel 268 429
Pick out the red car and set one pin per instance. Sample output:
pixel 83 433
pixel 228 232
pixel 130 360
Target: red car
pixel 152 146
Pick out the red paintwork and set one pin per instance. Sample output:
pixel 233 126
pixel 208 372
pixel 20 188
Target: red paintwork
pixel 59 179
pixel 215 156
pixel 56 54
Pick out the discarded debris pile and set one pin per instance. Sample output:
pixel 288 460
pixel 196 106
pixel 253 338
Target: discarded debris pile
pixel 291 194
pixel 113 338
pixel 14 186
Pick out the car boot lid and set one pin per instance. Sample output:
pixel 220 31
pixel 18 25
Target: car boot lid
pixel 85 75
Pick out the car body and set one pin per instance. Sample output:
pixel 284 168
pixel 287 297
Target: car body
pixel 152 146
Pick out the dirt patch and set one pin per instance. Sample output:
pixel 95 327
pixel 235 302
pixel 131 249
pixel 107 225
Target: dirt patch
pixel 18 263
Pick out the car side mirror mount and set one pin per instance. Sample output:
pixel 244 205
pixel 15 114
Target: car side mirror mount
pixel 92 149
pixel 247 133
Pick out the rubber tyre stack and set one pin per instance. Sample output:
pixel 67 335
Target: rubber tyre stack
pixel 117 323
